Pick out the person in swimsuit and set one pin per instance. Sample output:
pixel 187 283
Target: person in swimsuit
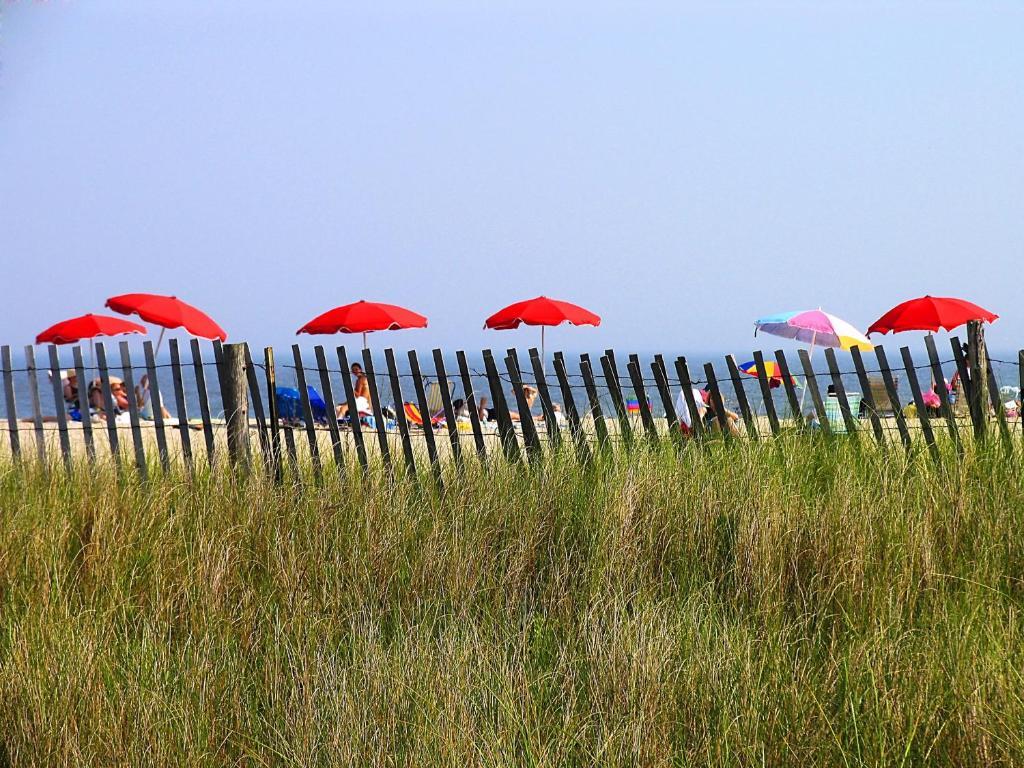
pixel 361 388
pixel 491 414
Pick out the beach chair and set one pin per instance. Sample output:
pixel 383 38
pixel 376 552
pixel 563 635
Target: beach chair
pixel 958 394
pixel 880 396
pixel 413 416
pixel 834 411
pixel 435 403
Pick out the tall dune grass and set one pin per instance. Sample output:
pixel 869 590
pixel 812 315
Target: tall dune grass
pixel 752 604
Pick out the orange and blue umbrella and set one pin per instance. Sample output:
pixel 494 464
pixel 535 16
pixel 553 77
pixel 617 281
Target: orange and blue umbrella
pixel 771 369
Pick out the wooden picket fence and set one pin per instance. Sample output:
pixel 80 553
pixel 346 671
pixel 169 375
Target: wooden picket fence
pixel 597 413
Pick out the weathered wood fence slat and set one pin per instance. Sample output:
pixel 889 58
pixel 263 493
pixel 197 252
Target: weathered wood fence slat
pixel 159 427
pixel 83 404
pixel 37 410
pixel 352 413
pixel 764 382
pixel 866 396
pixel 108 404
pixel 179 402
pixel 58 404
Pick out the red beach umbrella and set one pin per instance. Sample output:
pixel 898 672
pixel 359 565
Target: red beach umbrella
pixel 87 327
pixel 167 312
pixel 364 317
pixel 540 311
pixel 930 313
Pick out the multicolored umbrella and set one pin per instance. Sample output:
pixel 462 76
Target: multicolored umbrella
pixel 813 327
pixel 771 369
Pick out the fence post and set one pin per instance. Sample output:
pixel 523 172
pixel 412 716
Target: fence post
pixel 977 365
pixel 547 406
pixel 83 404
pixel 600 427
pixel 353 408
pixel 530 438
pixel 133 411
pixel 741 397
pixel 611 377
pixel 506 431
pixel 450 419
pixel 236 405
pixel 866 396
pixel 997 406
pixel 764 382
pixel 922 411
pixel 646 417
pixel 58 403
pixel 894 396
pixel 12 413
pixel 940 383
pixel 1020 383
pixel 204 400
pixel 272 414
pixel 428 425
pixel 37 413
pixel 811 382
pixel 257 406
pixel 790 387
pixel 403 423
pixel 179 401
pixel 332 411
pixel 307 413
pixel 573 415
pixel 378 412
pixel 837 384
pixel 717 404
pixel 665 391
pixel 158 405
pixel 683 372
pixel 472 404
pixel 108 404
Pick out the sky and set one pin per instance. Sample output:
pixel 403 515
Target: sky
pixel 679 168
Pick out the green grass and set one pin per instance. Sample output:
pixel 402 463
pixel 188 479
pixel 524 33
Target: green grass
pixel 787 603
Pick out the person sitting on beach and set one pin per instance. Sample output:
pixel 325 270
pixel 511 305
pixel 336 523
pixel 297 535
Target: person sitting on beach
pixel 485 413
pixel 461 409
pixel 118 396
pixel 683 410
pixel 70 382
pixel 530 394
pixel 361 390
pixel 556 408
pixel 711 418
pixel 491 414
pixel 144 400
pixel 931 399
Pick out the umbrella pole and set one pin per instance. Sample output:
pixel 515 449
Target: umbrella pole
pixel 810 356
pixel 542 348
pixel 364 339
pixel 159 341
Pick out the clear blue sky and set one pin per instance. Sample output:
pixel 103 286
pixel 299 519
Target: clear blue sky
pixel 679 168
